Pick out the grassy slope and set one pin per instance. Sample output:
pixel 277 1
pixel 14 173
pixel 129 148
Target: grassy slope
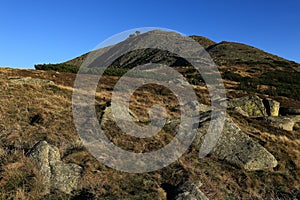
pixel 19 178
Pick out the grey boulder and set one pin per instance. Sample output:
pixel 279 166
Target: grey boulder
pixel 56 174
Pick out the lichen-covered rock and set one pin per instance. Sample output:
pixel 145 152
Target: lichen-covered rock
pixel 238 149
pixel 272 107
pixel 282 122
pixel 40 153
pixel 252 106
pixel 57 175
pixel 31 81
pixel 190 191
pixel 65 177
pixel 296 118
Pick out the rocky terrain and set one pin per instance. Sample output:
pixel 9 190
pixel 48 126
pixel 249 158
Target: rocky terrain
pixel 256 157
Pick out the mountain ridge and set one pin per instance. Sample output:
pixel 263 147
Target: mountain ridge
pixel 222 52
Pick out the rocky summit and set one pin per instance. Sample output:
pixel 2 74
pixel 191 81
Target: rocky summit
pixel 256 156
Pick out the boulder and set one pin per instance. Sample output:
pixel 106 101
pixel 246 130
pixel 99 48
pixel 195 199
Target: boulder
pixel 236 148
pixel 282 122
pixel 57 175
pixel 190 191
pixel 249 106
pixel 272 107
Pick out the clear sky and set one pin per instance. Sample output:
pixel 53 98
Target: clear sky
pixel 52 31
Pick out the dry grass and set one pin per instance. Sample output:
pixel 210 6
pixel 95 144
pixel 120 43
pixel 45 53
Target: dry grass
pixel 19 179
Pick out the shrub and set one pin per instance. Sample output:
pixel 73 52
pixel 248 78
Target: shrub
pixel 281 83
pixel 58 67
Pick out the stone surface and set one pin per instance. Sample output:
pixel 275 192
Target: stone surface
pixel 32 81
pixel 190 191
pixel 236 148
pixel 57 175
pixel 272 107
pixel 252 106
pixel 296 118
pixel 297 126
pixel 283 122
pixel 65 177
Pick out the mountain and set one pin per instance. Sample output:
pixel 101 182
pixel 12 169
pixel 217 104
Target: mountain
pixel 256 156
pixel 223 53
pixel 249 68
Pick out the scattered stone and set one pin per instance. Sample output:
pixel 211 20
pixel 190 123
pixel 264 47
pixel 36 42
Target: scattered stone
pixel 31 81
pixel 108 116
pixel 238 149
pixel 249 106
pixel 272 107
pixel 241 111
pixel 296 118
pixel 190 191
pixel 282 122
pixel 297 126
pixel 193 105
pixel 57 175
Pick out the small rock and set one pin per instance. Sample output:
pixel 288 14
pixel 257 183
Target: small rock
pixel 190 191
pixel 282 122
pixel 297 126
pixel 296 118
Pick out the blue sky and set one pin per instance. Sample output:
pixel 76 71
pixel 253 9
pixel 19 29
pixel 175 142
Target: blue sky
pixel 54 31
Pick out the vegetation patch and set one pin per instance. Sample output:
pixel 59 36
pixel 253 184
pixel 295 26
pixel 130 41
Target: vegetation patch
pixel 279 84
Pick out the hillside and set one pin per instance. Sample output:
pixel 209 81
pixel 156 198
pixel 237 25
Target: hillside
pixel 230 53
pixel 257 155
pixel 250 69
pixel 39 108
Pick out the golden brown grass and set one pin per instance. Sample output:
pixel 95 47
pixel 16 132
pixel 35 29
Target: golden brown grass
pixel 19 178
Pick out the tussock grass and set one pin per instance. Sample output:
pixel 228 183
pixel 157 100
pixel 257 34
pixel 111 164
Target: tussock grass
pixel 19 178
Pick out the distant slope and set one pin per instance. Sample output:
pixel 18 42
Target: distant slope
pixel 230 53
pixel 223 53
pixel 203 41
pixel 80 59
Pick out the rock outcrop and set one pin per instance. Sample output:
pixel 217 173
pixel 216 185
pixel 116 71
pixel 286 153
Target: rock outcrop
pixel 272 107
pixel 57 175
pixel 190 191
pixel 31 81
pixel 249 106
pixel 233 146
pixel 236 148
